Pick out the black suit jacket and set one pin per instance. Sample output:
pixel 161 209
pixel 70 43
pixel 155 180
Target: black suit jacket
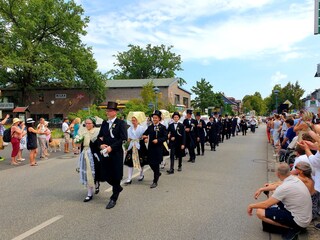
pixel 155 150
pixel 191 136
pixel 113 136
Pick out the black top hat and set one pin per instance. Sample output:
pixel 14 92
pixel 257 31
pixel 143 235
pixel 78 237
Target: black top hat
pixel 198 114
pixel 113 105
pixel 189 111
pixel 175 114
pixel 157 113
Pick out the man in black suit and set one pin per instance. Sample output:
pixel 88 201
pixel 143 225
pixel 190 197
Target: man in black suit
pixel 177 142
pixel 190 126
pixel 201 127
pixel 212 128
pixel 110 139
pixel 156 135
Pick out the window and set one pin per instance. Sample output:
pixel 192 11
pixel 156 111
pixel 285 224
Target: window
pixel 176 99
pixel 186 102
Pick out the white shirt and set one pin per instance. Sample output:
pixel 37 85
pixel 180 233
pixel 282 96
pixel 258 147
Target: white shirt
pixel 65 127
pixel 135 135
pixel 315 163
pixel 292 193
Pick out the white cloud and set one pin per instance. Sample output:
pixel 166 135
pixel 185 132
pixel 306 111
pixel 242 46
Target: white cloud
pixel 204 29
pixel 277 78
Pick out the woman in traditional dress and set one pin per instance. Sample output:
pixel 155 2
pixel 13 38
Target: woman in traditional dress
pixel 136 154
pixel 87 168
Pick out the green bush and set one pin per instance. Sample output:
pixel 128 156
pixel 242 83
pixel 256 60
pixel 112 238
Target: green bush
pixel 56 133
pixel 92 111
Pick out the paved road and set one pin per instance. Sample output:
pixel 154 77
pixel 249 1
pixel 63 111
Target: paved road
pixel 207 200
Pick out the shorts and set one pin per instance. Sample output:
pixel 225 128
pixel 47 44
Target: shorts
pixel 66 137
pixel 282 216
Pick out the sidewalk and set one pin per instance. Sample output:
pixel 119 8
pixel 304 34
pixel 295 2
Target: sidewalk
pixel 312 233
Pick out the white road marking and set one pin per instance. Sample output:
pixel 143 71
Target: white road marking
pixel 38 228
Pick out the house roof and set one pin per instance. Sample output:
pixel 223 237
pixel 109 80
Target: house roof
pixel 227 101
pixel 131 83
pixel 20 109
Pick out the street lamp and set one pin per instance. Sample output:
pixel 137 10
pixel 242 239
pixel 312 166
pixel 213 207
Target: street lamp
pixel 156 91
pixel 276 92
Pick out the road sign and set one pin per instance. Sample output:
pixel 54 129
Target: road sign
pixel 287 102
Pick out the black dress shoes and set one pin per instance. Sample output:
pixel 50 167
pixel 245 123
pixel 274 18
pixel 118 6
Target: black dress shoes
pixel 179 169
pixel 153 185
pixel 97 188
pixel 87 199
pixel 193 161
pixel 141 178
pixel 190 160
pixel 171 171
pixel 202 154
pixel 111 204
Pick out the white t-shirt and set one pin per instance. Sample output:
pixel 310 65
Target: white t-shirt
pixel 315 163
pixel 296 198
pixel 65 127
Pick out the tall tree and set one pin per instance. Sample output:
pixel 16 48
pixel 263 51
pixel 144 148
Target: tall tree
pixel 254 102
pixel 41 46
pixel 145 63
pixel 205 97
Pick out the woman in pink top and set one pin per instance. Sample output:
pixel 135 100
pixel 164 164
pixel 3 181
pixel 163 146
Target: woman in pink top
pixel 16 134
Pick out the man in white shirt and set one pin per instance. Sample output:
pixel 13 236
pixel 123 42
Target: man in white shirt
pixel 66 134
pixel 290 215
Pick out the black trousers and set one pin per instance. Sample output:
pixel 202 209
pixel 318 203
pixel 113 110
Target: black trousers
pixel 200 143
pixel 172 158
pixel 116 188
pixel 213 145
pixel 192 153
pixel 156 172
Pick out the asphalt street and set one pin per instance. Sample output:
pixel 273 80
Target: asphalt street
pixel 207 200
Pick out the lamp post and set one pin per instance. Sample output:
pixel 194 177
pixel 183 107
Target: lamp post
pixel 156 91
pixel 276 92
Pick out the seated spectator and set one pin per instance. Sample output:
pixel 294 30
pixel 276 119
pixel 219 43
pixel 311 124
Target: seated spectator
pixel 300 157
pixel 290 216
pixel 288 137
pixel 314 162
pixel 304 172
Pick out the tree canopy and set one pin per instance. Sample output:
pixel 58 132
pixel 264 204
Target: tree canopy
pixel 41 46
pixel 205 97
pixel 291 92
pixel 145 63
pixel 254 102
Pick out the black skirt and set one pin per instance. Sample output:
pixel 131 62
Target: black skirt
pixel 143 158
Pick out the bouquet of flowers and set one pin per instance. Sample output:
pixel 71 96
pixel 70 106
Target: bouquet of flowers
pixel 78 139
pixel 125 145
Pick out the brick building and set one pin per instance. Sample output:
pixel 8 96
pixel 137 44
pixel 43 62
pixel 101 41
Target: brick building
pixel 170 91
pixel 58 102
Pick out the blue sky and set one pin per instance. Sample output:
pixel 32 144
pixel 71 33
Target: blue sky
pixel 240 47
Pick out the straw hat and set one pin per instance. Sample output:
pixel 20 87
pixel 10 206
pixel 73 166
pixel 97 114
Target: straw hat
pixel 15 120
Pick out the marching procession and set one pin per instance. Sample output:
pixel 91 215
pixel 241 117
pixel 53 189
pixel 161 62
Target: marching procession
pixel 104 152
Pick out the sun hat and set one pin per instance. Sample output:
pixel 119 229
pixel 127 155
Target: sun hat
pixel 15 120
pixel 30 120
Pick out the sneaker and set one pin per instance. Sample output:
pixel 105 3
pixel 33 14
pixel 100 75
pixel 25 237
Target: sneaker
pixel 317 226
pixel 291 234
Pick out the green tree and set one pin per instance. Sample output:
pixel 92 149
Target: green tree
pixel 41 47
pixel 254 102
pixel 205 97
pixel 291 92
pixel 91 111
pixel 145 63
